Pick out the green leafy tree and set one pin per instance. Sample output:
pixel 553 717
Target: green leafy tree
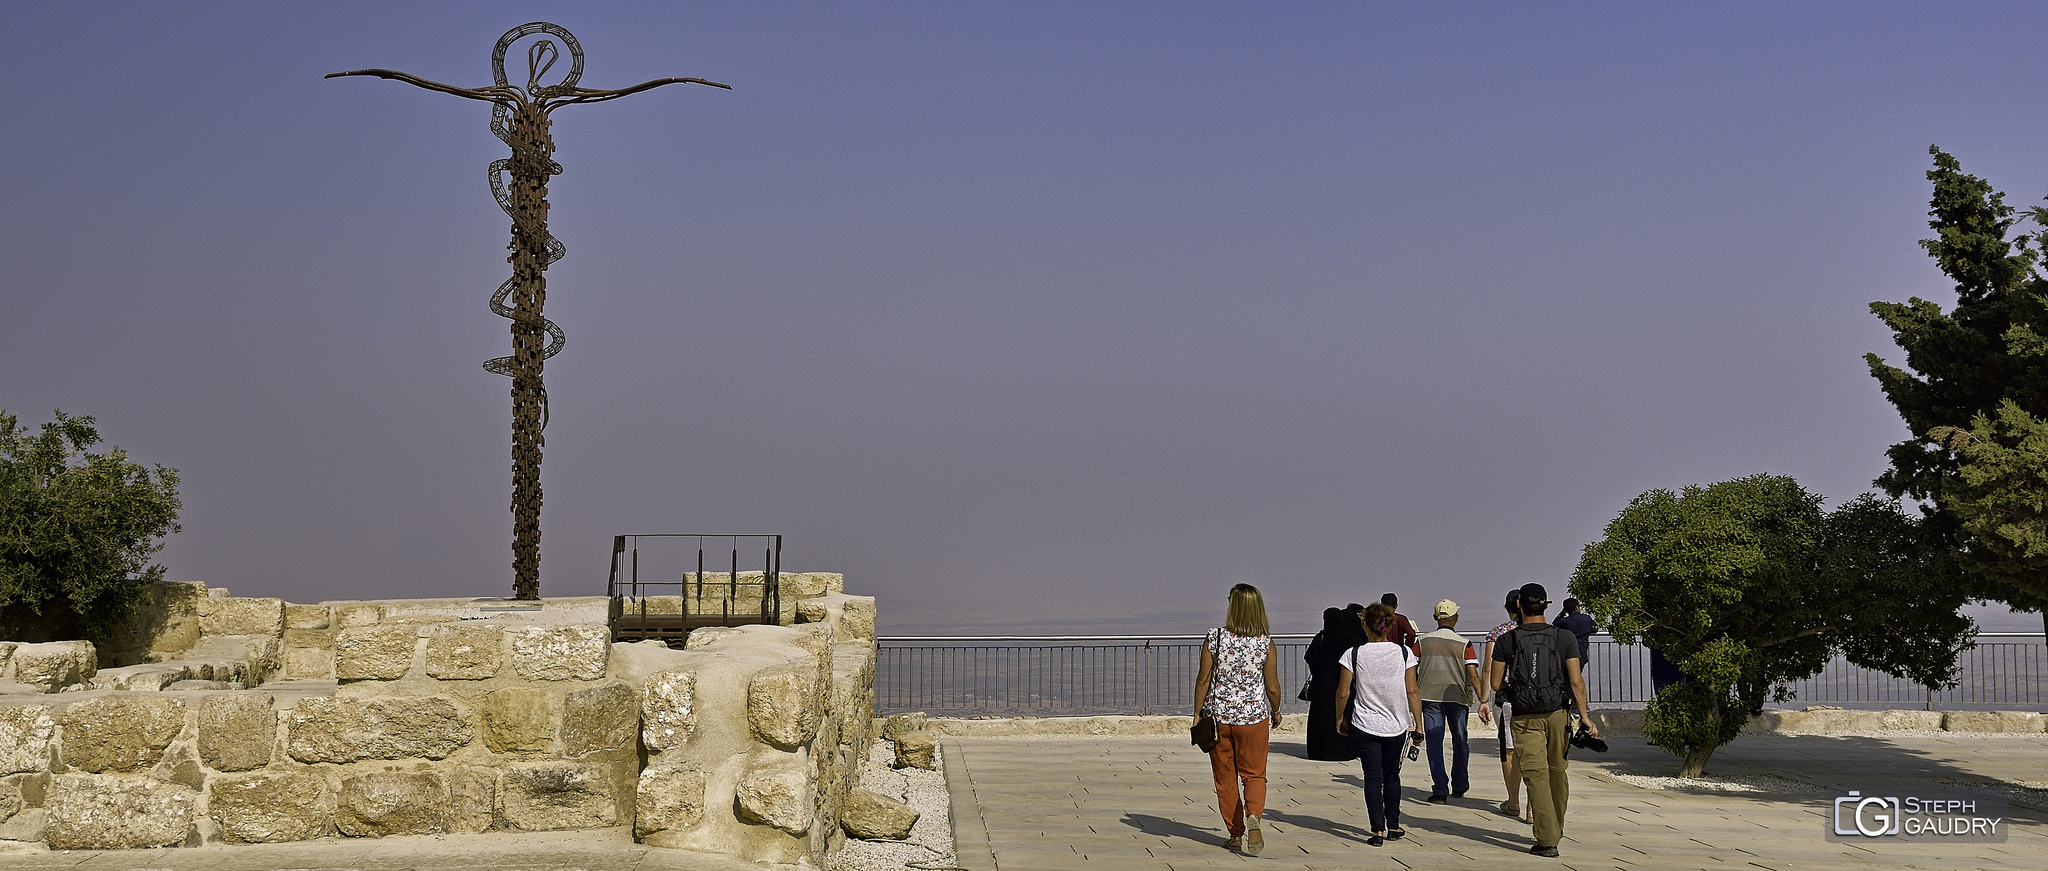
pixel 1748 585
pixel 1966 363
pixel 1999 496
pixel 77 529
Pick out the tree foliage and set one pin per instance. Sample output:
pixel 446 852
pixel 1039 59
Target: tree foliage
pixel 77 529
pixel 1967 365
pixel 1748 585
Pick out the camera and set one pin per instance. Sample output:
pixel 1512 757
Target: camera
pixel 1414 746
pixel 1582 738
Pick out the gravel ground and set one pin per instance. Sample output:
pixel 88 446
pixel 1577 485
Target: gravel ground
pixel 1730 783
pixel 930 845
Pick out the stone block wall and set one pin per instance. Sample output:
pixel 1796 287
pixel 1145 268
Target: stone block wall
pixel 272 721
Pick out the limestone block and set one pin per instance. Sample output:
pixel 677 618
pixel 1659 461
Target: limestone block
pixel 386 803
pixel 782 705
pixel 812 612
pixel 603 717
pixel 804 585
pixel 55 665
pixel 353 729
pixel 121 733
pixel 236 731
pixel 668 710
pixel 254 616
pixel 25 734
pixel 351 615
pixel 917 750
pixel 308 663
pixel 778 796
pixel 11 801
pixel 1992 721
pixel 872 817
pixel 857 618
pixel 561 652
pixel 1910 721
pixel 270 807
pixel 379 652
pixel 460 652
pixel 896 725
pixel 6 654
pixel 117 812
pixel 709 636
pixel 472 799
pixel 307 616
pixel 318 638
pixel 1836 722
pixel 516 719
pixel 198 685
pixel 669 797
pixel 27 825
pixel 545 796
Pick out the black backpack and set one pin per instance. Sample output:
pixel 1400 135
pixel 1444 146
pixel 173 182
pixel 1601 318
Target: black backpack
pixel 1536 679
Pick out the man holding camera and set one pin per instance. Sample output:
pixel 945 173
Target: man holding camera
pixel 1542 680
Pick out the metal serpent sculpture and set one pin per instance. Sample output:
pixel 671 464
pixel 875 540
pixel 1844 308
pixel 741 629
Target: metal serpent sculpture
pixel 520 117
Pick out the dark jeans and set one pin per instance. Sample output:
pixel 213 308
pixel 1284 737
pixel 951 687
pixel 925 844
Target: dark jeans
pixel 1380 758
pixel 1435 716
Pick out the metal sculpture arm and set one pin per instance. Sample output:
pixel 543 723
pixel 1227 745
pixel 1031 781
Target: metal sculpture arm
pixel 493 94
pixel 594 95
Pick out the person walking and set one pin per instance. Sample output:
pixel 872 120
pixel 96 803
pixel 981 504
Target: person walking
pixel 1581 626
pixel 1341 632
pixel 1510 772
pixel 1404 631
pixel 1240 685
pixel 1543 667
pixel 1378 705
pixel 1448 680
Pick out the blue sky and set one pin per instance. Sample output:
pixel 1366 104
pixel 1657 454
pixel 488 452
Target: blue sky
pixel 1033 317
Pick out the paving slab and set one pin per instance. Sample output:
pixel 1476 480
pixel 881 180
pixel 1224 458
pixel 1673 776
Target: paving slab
pixel 1046 803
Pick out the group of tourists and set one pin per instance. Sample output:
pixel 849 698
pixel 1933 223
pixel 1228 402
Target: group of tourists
pixel 1378 691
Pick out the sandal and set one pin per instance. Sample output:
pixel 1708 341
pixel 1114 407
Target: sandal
pixel 1396 833
pixel 1376 841
pixel 1509 810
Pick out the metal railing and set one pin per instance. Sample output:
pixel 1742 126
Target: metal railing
pixel 691 581
pixel 1086 675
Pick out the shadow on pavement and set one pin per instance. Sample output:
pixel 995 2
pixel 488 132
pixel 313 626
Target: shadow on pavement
pixel 1161 827
pixel 1331 827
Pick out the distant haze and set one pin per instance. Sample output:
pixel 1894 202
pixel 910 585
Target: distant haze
pixel 1028 317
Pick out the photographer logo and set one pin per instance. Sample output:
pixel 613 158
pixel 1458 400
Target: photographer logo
pixel 1945 817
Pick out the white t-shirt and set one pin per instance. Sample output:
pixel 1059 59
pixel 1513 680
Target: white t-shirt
pixel 1379 688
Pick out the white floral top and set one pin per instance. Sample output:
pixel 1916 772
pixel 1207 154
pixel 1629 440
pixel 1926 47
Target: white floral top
pixel 1237 685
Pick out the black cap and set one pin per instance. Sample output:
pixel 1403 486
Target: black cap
pixel 1534 594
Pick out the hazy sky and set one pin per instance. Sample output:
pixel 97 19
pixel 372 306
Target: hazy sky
pixel 1025 316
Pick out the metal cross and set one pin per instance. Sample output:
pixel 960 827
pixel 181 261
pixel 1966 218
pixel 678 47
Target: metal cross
pixel 519 116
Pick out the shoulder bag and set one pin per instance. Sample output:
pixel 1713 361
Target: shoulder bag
pixel 1203 733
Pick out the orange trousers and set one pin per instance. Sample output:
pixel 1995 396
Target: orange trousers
pixel 1240 754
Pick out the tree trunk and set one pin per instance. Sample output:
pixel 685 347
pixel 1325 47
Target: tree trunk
pixel 1696 756
pixel 1695 761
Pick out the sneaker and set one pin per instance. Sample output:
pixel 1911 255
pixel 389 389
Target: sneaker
pixel 1376 841
pixel 1395 833
pixel 1460 793
pixel 1438 799
pixel 1234 844
pixel 1254 837
pixel 1545 852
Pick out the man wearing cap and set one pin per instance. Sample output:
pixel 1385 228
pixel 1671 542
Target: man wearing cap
pixel 1534 654
pixel 1448 681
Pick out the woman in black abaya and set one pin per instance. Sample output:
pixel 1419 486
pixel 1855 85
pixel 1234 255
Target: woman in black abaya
pixel 1341 632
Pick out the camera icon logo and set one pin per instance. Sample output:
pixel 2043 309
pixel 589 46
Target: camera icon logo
pixel 1868 815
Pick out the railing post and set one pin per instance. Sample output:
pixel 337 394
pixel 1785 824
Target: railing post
pixel 1145 680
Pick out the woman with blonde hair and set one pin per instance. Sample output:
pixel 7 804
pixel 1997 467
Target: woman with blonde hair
pixel 1378 704
pixel 1239 685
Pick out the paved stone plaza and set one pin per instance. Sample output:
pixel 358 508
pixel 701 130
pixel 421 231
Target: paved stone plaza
pixel 1147 803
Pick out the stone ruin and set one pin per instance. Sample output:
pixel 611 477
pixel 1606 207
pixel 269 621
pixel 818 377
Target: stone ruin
pixel 222 719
